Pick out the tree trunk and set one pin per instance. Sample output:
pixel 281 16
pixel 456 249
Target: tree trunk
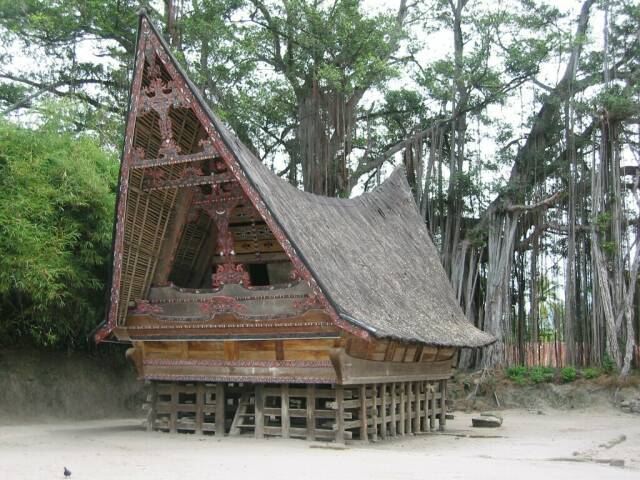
pixel 323 137
pixel 497 321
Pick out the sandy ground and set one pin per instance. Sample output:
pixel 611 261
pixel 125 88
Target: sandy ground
pixel 560 445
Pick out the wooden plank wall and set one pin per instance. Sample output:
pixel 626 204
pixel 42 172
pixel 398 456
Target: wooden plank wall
pixel 394 351
pixel 300 349
pixel 303 349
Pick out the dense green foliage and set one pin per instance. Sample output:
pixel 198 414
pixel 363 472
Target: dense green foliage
pixel 517 374
pixel 590 373
pixel 539 374
pixel 56 213
pixel 568 374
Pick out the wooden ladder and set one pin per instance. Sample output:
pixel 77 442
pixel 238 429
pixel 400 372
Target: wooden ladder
pixel 244 418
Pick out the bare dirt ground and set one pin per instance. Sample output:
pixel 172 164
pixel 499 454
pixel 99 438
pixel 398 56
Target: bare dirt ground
pixel 557 444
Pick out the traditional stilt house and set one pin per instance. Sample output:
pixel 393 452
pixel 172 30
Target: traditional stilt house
pixel 252 306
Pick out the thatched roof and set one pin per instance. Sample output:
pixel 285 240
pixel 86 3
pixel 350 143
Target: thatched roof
pixel 371 256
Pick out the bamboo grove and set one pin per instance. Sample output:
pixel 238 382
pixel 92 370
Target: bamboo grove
pixel 518 124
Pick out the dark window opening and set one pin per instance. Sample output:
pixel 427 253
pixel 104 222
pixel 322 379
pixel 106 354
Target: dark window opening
pixel 258 274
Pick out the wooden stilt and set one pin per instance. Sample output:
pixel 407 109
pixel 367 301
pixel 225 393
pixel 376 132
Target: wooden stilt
pixel 152 400
pixel 427 400
pixel 374 411
pixel 408 386
pixel 383 410
pixel 425 408
pixel 284 410
pixel 363 413
pixel 220 404
pixel 340 414
pixel 199 406
pixel 173 416
pixel 432 407
pixel 311 411
pixel 417 411
pixel 442 421
pixel 394 404
pixel 259 413
pixel 403 405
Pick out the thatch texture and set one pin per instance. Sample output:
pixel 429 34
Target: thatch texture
pixel 371 255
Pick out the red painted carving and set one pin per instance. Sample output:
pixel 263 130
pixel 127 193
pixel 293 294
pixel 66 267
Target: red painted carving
pixel 191 172
pixel 207 147
pixel 296 275
pixel 160 97
pixel 237 363
pixel 230 273
pixel 219 205
pixel 152 178
pixel 123 191
pixel 145 307
pixel 312 302
pixel 137 155
pixel 222 304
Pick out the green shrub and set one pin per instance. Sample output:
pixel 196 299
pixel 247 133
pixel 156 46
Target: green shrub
pixel 608 365
pixel 590 373
pixel 568 374
pixel 517 373
pixel 541 374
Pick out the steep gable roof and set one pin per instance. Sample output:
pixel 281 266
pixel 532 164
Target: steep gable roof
pixel 370 257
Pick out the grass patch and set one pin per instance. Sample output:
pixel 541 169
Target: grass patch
pixel 517 374
pixel 590 373
pixel 540 374
pixel 568 374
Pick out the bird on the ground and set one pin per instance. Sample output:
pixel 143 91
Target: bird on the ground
pixel 67 472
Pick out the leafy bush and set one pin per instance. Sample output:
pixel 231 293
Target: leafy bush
pixel 541 374
pixel 568 374
pixel 56 213
pixel 590 373
pixel 517 374
pixel 608 365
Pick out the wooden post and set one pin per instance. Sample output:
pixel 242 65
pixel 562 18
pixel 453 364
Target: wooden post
pixel 374 411
pixel 427 400
pixel 416 407
pixel 432 407
pixel 363 412
pixel 199 406
pixel 403 406
pixel 408 386
pixel 340 414
pixel 383 425
pixel 311 411
pixel 173 415
pixel 259 414
pixel 220 404
pixel 425 408
pixel 394 404
pixel 442 422
pixel 284 409
pixel 153 400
